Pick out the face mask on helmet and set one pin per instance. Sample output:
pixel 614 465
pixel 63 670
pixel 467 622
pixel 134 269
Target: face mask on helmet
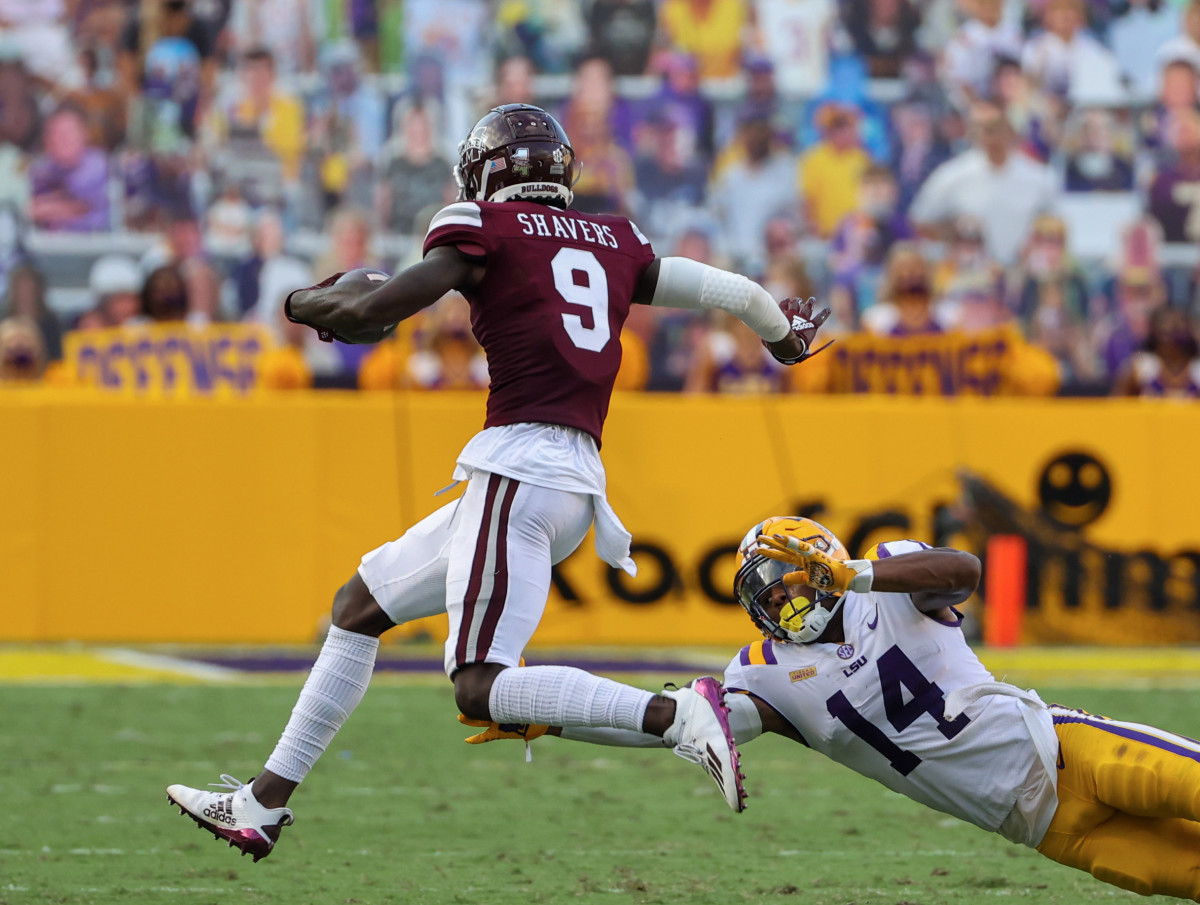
pixel 753 586
pixel 758 576
pixel 517 151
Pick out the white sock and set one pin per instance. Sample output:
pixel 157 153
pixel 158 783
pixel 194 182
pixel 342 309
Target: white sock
pixel 565 696
pixel 333 689
pixel 614 738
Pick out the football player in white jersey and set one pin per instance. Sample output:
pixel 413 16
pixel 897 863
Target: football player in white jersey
pixel 864 661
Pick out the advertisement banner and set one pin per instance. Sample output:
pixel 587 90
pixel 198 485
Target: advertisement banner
pixel 177 520
pixel 172 360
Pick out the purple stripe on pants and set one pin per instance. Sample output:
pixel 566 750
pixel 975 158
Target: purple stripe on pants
pixel 1133 735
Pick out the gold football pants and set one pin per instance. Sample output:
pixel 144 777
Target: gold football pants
pixel 1128 805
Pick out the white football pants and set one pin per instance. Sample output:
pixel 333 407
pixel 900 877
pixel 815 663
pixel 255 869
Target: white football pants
pixel 484 559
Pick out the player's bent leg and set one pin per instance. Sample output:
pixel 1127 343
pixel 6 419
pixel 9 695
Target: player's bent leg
pixel 401 580
pixel 500 559
pixel 397 582
pixel 496 587
pixel 355 610
pixel 1147 855
pixel 472 688
pixel 250 818
pixel 334 688
pixel 1121 788
pixel 1131 767
pixel 1157 774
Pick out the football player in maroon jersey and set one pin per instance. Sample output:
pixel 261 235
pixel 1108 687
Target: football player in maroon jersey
pixel 549 291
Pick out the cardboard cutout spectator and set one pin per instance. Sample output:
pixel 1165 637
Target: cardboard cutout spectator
pixel 1093 162
pixel 1064 51
pixel 757 186
pixel 1168 365
pixel 256 135
pixel 709 30
pixel 69 178
pixel 1053 302
pixel 1140 292
pixel 884 33
pixel 346 127
pixel 415 177
pixel 831 171
pixel 115 284
pixel 906 297
pixel 993 181
pixel 167 56
pixel 1174 195
pixel 1137 32
pixel 264 279
pixel 26 299
pixel 969 59
pixel 622 31
pixel 795 38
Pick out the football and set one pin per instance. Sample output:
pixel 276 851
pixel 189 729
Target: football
pixel 364 275
pixel 368 275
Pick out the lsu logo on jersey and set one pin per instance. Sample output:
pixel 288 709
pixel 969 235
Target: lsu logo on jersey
pixel 804 672
pixel 852 668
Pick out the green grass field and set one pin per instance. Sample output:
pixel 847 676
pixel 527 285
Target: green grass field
pixel 401 811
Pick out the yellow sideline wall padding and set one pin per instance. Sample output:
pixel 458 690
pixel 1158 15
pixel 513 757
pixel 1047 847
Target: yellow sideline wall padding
pixel 142 520
pixel 148 521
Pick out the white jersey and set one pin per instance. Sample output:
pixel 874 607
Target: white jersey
pixel 877 703
pixel 556 457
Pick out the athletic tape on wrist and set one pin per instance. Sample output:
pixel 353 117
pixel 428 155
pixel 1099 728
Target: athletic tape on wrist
pixel 865 577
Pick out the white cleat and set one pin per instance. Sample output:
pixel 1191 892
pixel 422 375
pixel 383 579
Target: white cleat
pixel 234 816
pixel 701 734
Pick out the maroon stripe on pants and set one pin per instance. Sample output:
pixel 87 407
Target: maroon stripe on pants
pixel 495 606
pixel 477 565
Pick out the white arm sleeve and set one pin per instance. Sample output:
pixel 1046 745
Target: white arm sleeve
pixel 684 283
pixel 616 738
pixel 744 720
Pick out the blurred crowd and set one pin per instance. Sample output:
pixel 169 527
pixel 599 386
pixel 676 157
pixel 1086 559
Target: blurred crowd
pixel 923 165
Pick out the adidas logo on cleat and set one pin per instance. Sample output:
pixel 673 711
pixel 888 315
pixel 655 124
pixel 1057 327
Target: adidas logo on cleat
pixel 220 816
pixel 713 765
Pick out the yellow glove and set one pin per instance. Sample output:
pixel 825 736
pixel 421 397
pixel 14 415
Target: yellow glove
pixel 496 731
pixel 815 568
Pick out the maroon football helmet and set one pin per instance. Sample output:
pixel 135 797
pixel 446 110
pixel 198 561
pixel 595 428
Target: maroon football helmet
pixel 516 151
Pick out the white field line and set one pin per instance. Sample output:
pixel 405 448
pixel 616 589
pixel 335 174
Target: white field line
pixel 207 672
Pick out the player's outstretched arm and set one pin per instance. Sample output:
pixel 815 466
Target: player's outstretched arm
pixel 787 328
pixel 935 578
pixel 360 312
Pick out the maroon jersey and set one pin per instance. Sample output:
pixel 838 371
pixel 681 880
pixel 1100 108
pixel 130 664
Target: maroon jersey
pixel 549 310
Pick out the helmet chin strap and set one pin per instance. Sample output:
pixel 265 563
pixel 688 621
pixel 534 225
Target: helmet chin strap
pixel 817 621
pixel 483 181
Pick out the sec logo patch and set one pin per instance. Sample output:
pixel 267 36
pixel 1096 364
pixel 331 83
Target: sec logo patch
pixel 845 651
